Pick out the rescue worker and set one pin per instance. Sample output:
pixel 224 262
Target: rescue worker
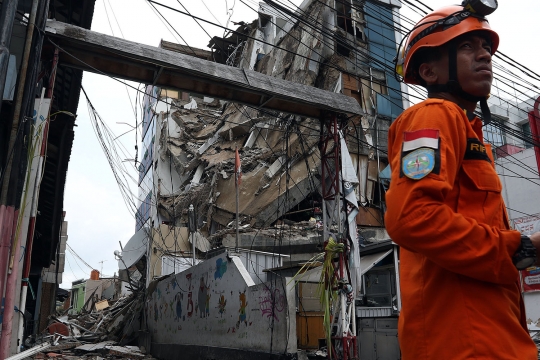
pixel 461 297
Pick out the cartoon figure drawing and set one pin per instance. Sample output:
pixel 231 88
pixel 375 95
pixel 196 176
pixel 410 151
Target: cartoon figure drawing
pixel 203 302
pixel 221 268
pixel 190 296
pixel 221 305
pixel 242 317
pixel 178 298
pixel 207 304
pixel 166 307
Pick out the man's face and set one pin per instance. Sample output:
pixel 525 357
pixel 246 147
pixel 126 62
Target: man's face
pixel 473 65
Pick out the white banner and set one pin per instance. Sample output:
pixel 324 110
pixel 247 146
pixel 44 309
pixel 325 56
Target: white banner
pixel 528 224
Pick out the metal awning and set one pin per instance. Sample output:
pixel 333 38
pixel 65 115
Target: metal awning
pixel 369 261
pixel 366 263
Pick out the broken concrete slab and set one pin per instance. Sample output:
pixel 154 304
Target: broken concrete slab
pixel 94 347
pixel 65 346
pixel 130 352
pixel 101 305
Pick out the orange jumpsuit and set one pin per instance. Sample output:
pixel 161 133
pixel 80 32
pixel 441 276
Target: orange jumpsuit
pixel 460 291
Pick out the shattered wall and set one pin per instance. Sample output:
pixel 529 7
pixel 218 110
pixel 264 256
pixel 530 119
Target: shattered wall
pixel 94 290
pixel 174 244
pixel 202 153
pixel 196 136
pixel 217 299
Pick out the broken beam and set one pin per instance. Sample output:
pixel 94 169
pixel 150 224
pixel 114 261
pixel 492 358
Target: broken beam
pixel 100 53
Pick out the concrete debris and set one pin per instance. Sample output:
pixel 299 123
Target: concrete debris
pixel 196 137
pixel 279 160
pixel 100 305
pixel 202 153
pixel 102 333
pixel 97 353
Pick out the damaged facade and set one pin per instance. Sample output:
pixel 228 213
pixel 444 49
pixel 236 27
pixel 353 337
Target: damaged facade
pixel 39 100
pixel 187 159
pixel 189 140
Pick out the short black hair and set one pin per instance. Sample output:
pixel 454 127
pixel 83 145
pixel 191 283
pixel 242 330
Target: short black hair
pixel 422 56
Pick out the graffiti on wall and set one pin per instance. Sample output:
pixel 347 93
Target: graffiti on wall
pixel 214 298
pixel 221 268
pixel 271 302
pixel 189 296
pixel 178 299
pixel 242 316
pixel 203 303
pixel 222 302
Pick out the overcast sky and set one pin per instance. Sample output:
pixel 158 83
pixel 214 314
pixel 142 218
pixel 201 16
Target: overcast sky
pixel 97 215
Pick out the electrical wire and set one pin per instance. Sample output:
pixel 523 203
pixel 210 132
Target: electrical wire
pixel 77 255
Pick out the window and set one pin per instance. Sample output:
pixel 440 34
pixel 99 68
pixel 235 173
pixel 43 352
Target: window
pixel 494 136
pixel 344 21
pixel 143 212
pixel 75 297
pixel 526 130
pixel 379 284
pixel 379 287
pixel 280 23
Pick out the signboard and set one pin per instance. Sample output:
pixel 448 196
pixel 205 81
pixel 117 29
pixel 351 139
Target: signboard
pixel 531 279
pixel 534 122
pixel 528 224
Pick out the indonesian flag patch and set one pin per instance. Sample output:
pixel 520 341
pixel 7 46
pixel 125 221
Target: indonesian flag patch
pixel 420 153
pixel 413 140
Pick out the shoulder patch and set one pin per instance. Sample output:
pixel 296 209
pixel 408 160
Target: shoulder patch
pixel 418 163
pixel 413 140
pixel 476 150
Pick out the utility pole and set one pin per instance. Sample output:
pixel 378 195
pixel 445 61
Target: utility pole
pixel 192 229
pixel 237 182
pixel 343 345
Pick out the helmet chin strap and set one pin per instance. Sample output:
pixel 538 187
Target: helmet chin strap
pixel 453 86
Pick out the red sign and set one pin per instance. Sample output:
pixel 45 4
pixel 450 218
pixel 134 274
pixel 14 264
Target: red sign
pixel 531 279
pixel 534 122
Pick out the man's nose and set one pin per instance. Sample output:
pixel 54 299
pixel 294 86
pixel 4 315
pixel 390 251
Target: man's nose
pixel 483 54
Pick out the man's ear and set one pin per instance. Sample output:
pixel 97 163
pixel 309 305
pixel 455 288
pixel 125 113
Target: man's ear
pixel 427 73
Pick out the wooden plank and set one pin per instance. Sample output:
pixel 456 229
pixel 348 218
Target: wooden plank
pixel 138 62
pixel 369 217
pixel 350 82
pixel 200 53
pixel 309 329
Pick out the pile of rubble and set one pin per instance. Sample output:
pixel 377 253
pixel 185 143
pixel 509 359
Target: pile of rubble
pixel 108 321
pixel 103 350
pixel 102 333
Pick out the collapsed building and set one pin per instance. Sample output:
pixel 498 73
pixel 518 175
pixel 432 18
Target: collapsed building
pixel 189 141
pixel 187 181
